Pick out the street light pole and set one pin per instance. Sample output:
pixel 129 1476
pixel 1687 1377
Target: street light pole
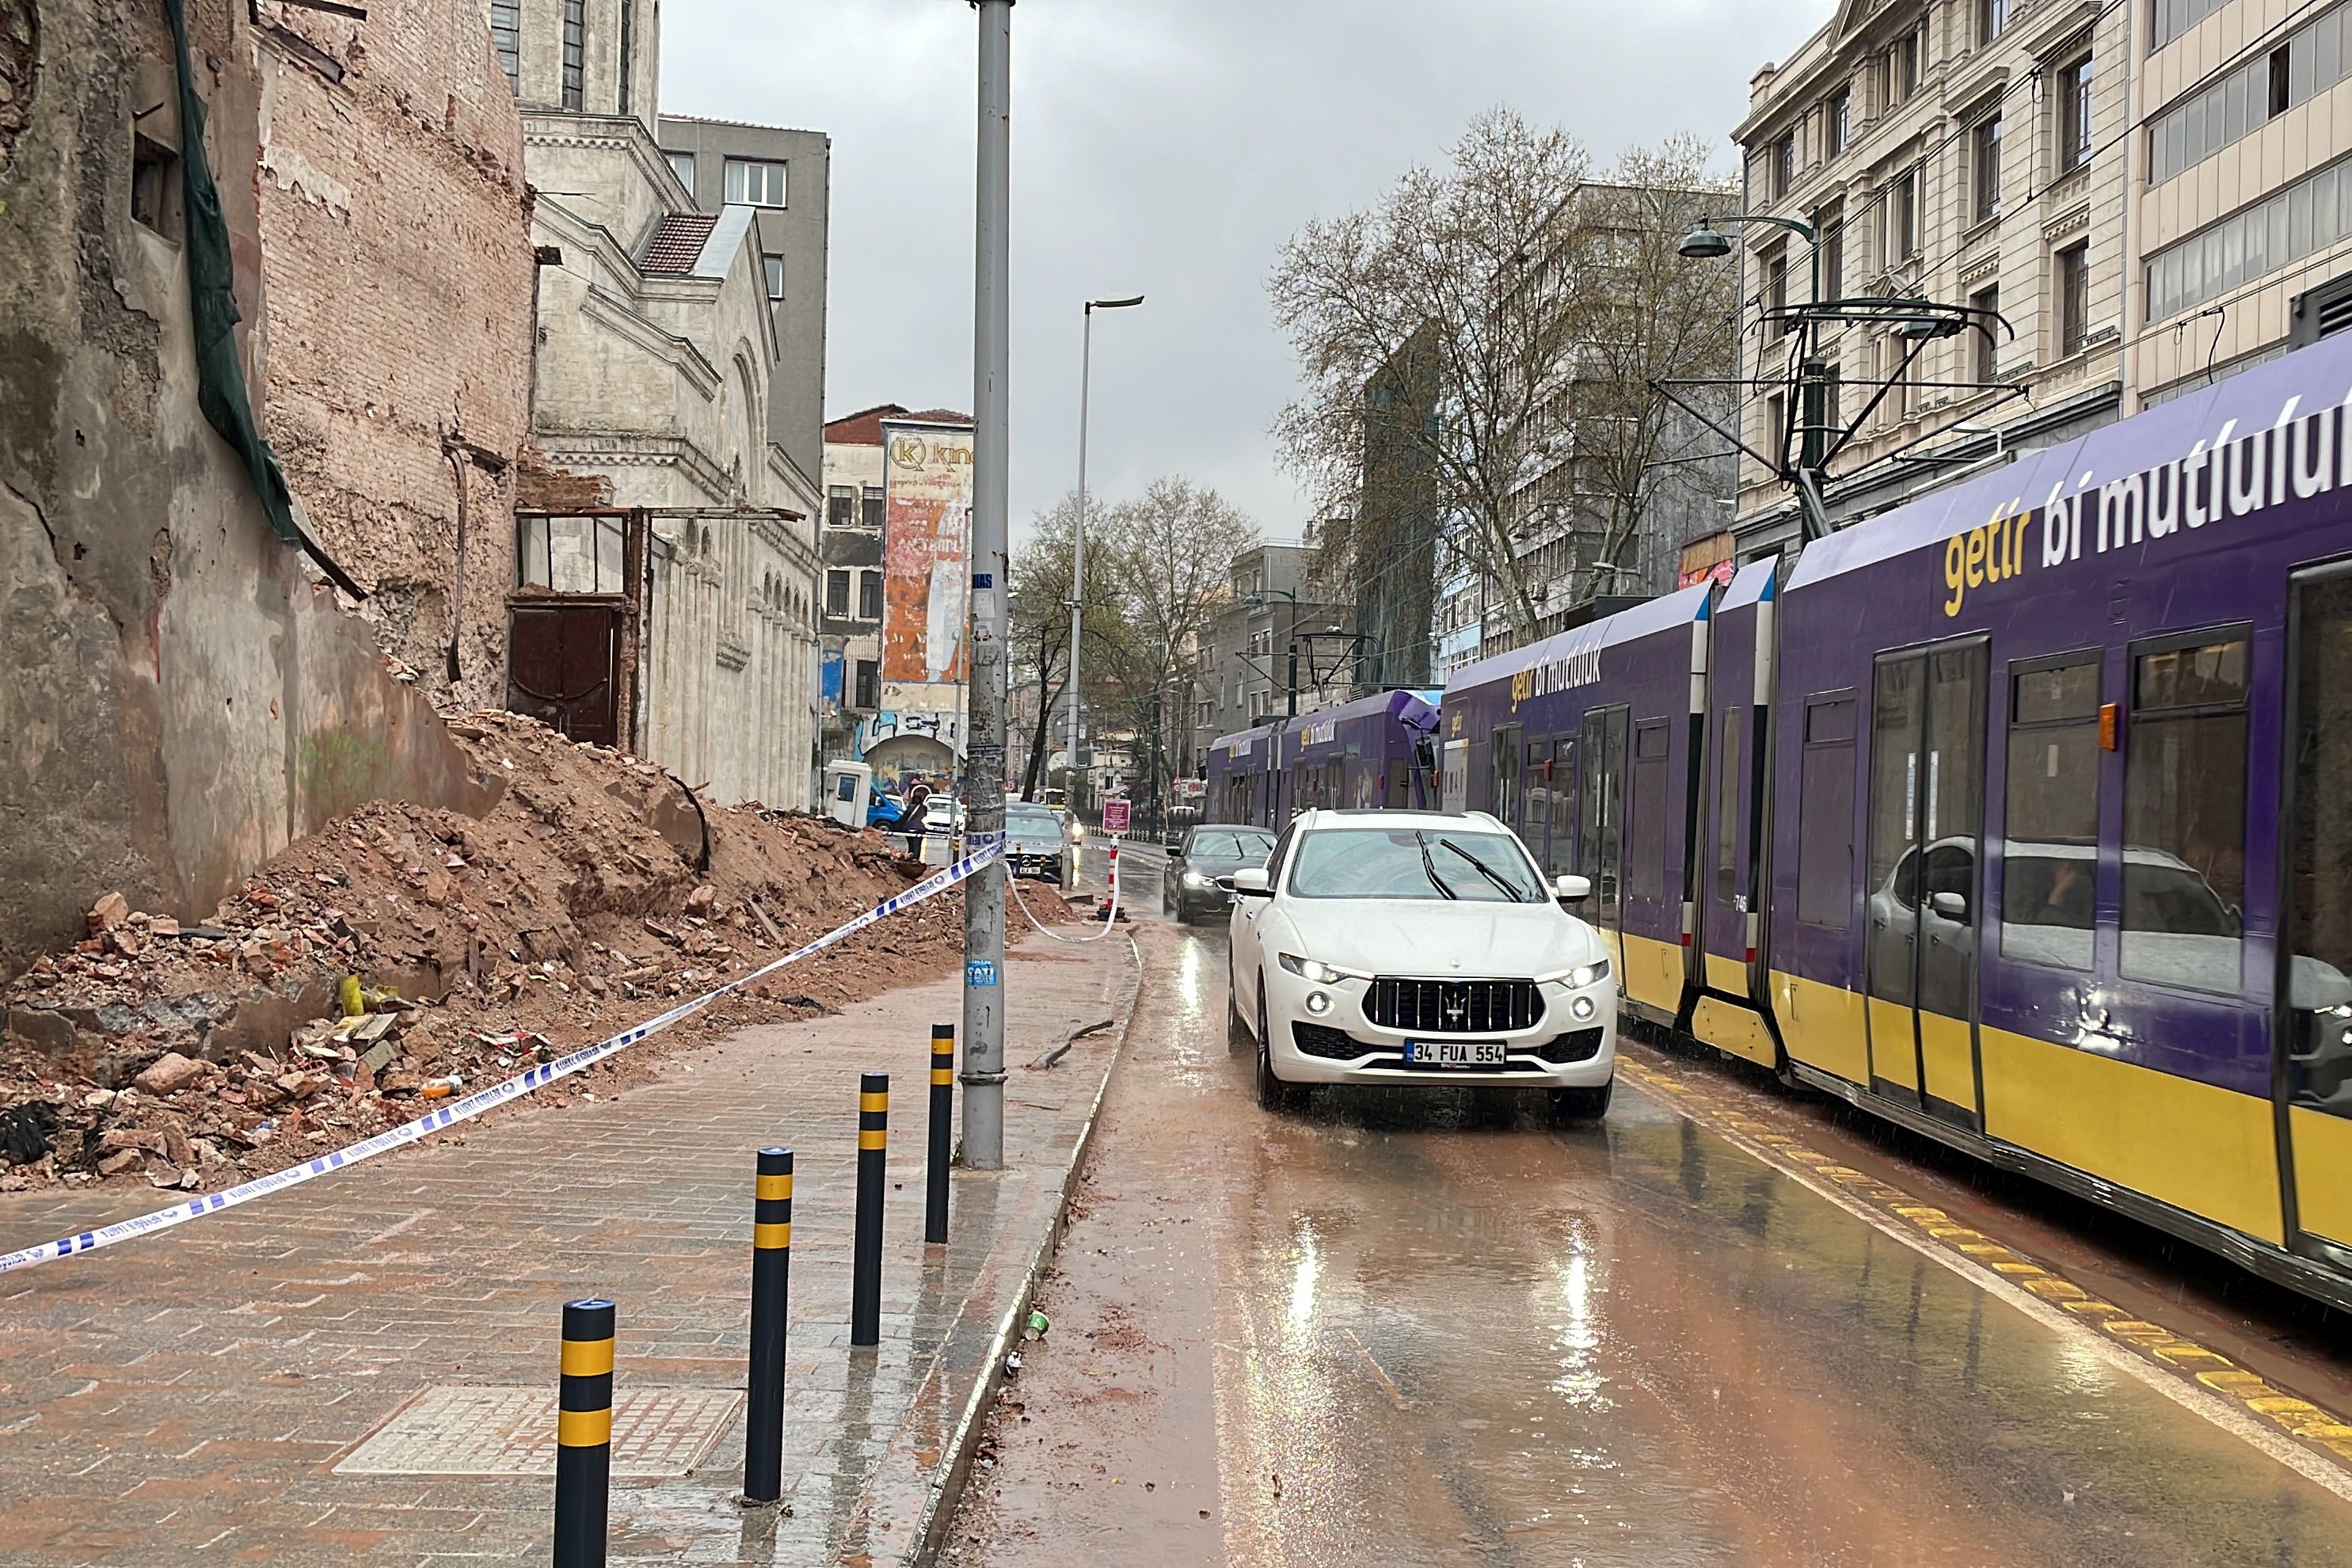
pixel 983 900
pixel 1078 539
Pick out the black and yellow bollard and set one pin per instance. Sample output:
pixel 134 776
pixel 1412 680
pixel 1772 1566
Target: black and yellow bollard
pixel 942 1133
pixel 771 1268
pixel 583 1434
pixel 865 1259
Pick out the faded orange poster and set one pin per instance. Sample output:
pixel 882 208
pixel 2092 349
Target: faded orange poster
pixel 926 553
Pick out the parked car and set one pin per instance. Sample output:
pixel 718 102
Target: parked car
pixel 1034 843
pixel 1419 948
pixel 1190 888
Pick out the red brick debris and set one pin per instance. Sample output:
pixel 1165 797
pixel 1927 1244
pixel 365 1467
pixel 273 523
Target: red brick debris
pixel 403 954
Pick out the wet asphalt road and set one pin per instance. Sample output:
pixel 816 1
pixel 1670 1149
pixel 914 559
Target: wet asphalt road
pixel 1411 1328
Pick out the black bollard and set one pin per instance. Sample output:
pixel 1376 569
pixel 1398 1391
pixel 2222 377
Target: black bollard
pixel 865 1259
pixel 583 1434
pixel 942 1131
pixel 772 1270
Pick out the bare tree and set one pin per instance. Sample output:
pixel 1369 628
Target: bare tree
pixel 1640 462
pixel 1171 549
pixel 1040 625
pixel 1489 289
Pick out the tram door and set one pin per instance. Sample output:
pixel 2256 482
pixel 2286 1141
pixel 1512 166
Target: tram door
pixel 2315 1026
pixel 1601 825
pixel 1927 810
pixel 1504 757
pixel 1548 815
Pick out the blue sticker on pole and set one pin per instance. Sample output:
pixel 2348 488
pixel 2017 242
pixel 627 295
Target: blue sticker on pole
pixel 979 971
pixel 984 579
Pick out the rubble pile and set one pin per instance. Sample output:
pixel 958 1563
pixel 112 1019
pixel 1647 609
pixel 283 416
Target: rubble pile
pixel 405 955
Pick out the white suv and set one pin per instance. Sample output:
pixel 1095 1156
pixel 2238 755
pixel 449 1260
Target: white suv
pixel 1419 947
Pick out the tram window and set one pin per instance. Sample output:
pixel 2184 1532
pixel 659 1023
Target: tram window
pixel 2050 860
pixel 1826 814
pixel 1645 878
pixel 2184 871
pixel 2318 896
pixel 1727 811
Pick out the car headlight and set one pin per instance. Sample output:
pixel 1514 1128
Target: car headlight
pixel 1194 879
pixel 1317 970
pixel 1578 978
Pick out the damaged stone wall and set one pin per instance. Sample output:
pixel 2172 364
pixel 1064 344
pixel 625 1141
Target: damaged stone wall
pixel 397 286
pixel 181 700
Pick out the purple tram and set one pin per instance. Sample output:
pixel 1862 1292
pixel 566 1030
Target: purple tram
pixel 1368 753
pixel 2006 817
pixel 1585 743
pixel 2059 872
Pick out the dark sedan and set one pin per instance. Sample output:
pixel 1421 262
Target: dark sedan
pixel 1189 889
pixel 1034 844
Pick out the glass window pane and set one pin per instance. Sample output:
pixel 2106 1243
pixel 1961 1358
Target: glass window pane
pixel 2197 676
pixel 2185 817
pixel 2069 693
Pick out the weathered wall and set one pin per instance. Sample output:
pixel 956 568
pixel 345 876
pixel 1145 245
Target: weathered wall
pixel 397 274
pixel 179 700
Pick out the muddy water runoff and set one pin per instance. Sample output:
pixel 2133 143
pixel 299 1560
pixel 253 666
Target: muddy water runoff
pixel 1409 1328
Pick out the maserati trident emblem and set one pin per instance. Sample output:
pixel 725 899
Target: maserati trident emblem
pixel 1455 1012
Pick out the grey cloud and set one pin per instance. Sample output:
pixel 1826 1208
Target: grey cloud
pixel 1166 149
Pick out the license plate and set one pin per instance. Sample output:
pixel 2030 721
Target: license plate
pixel 1455 1053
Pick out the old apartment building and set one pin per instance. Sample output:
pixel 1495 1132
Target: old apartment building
pixel 658 362
pixel 2147 192
pixel 1967 152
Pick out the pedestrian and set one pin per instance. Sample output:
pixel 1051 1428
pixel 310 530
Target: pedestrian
pixel 910 820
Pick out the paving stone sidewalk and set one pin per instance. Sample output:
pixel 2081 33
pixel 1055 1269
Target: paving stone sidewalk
pixel 189 1397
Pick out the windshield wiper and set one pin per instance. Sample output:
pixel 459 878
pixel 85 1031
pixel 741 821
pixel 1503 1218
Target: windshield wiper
pixel 1429 864
pixel 1482 867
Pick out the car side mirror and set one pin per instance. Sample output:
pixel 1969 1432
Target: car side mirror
pixel 1252 882
pixel 1572 889
pixel 1951 906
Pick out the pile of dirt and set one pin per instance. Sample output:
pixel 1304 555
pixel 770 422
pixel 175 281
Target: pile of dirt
pixel 405 955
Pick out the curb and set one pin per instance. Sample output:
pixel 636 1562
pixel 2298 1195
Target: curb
pixel 954 1467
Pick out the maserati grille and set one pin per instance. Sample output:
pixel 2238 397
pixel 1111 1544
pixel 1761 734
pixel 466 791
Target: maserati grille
pixel 1454 1007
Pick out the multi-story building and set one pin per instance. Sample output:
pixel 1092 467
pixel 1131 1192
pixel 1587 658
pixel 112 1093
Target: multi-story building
pixel 657 360
pixel 1971 152
pixel 785 177
pixel 2150 194
pixel 1244 674
pixel 1613 480
pixel 850 541
pixel 2241 220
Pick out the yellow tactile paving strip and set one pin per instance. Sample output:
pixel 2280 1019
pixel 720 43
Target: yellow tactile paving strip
pixel 2322 1431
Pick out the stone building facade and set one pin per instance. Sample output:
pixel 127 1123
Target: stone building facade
pixel 2152 195
pixel 1971 151
pixel 656 357
pixel 785 176
pixel 403 454
pixel 185 696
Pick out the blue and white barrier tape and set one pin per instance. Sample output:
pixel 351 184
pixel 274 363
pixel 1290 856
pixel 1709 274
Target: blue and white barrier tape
pixel 990 846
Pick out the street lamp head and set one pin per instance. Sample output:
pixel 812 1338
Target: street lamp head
pixel 1704 243
pixel 1113 304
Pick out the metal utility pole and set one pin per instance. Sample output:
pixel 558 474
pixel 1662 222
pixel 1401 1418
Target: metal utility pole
pixel 983 898
pixel 1071 792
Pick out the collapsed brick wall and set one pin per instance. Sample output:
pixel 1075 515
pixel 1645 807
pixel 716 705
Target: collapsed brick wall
pixel 397 279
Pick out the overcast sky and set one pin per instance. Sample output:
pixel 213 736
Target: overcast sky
pixel 1166 148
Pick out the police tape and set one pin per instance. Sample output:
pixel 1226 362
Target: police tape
pixel 990 846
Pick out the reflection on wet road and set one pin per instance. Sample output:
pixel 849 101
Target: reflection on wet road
pixel 1440 1332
